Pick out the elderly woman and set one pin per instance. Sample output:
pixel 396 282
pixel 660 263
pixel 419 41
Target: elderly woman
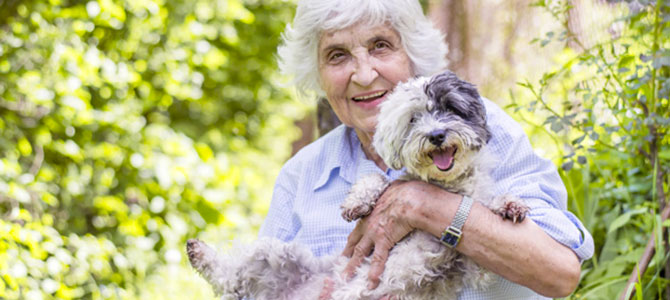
pixel 354 52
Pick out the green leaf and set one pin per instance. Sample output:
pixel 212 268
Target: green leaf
pixel 665 154
pixel 207 212
pixel 578 140
pixel 581 159
pixel 623 219
pixel 625 61
pixel 567 166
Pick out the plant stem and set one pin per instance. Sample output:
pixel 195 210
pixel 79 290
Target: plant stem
pixel 643 263
pixel 654 50
pixel 657 194
pixel 622 85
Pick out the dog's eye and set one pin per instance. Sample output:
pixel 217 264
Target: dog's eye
pixel 412 120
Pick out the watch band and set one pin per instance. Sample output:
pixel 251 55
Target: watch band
pixel 452 234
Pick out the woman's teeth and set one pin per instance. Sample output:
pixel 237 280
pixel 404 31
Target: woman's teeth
pixel 371 96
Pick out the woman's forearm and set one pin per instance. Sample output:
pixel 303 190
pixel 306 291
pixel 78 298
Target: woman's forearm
pixel 522 253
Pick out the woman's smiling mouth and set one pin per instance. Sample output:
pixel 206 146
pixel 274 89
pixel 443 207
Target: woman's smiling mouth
pixel 369 97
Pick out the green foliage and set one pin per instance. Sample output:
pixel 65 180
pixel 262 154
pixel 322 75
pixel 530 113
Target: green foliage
pixel 607 110
pixel 127 127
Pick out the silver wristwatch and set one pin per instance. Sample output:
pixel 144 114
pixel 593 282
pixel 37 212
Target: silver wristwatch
pixel 452 235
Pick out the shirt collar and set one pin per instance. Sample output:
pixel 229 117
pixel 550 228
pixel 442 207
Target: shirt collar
pixel 344 157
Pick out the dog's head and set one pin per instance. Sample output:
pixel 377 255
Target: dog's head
pixel 433 126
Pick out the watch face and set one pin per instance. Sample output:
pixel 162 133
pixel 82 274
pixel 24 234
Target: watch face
pixel 450 239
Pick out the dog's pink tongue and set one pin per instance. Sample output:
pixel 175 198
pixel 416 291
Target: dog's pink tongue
pixel 444 158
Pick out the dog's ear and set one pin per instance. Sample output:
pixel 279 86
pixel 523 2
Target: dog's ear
pixel 394 121
pixel 388 147
pixel 453 94
pixel 474 110
pixel 391 156
pixel 389 136
pixel 461 97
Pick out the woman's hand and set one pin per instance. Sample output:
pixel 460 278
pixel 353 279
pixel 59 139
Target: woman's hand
pixel 328 286
pixel 520 252
pixel 394 216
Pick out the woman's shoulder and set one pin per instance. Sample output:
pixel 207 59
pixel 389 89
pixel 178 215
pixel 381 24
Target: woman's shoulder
pixel 500 123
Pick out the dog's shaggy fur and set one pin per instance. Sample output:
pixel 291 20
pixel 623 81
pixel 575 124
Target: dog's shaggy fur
pixel 435 127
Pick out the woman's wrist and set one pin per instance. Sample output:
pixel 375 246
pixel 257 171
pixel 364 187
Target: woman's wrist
pixel 436 210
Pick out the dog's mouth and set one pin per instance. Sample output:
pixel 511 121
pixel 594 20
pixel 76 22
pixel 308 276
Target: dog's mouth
pixel 444 158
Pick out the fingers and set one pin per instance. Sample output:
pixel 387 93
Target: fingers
pixel 361 250
pixel 379 240
pixel 377 263
pixel 328 286
pixel 380 230
pixel 353 239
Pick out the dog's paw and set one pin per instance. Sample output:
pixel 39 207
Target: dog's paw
pixel 354 213
pixel 200 255
pixel 194 249
pixel 513 209
pixel 363 196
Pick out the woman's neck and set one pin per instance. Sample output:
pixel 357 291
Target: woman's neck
pixel 366 144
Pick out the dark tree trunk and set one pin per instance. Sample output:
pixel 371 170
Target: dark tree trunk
pixel 451 16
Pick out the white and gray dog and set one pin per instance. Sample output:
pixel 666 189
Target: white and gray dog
pixel 435 128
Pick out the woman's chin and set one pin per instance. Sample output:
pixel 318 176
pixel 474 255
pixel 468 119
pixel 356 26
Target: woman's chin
pixel 365 125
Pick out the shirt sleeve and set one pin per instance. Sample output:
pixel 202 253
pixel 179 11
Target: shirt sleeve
pixel 521 172
pixel 280 222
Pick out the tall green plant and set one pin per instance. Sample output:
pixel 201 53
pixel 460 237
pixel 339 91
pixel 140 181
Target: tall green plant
pixel 607 110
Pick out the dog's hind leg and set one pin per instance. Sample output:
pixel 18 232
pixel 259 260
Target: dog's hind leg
pixel 274 270
pixel 363 196
pixel 218 272
pixel 268 269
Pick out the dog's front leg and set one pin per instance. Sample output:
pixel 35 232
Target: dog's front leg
pixel 363 196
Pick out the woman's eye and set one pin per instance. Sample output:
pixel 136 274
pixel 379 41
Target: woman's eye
pixel 335 57
pixel 381 45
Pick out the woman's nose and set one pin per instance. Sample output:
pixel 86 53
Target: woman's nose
pixel 365 72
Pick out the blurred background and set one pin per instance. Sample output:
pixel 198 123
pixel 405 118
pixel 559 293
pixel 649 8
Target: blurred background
pixel 127 127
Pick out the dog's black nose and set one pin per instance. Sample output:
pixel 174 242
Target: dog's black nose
pixel 436 137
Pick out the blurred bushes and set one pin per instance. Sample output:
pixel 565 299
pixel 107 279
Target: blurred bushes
pixel 606 109
pixel 127 127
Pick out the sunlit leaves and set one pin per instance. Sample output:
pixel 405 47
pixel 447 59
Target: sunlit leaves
pixel 127 127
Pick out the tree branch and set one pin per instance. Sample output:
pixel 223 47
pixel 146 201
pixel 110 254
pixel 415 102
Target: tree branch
pixel 39 159
pixel 25 108
pixel 643 263
pixel 13 206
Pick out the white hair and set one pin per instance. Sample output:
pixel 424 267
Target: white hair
pixel 297 55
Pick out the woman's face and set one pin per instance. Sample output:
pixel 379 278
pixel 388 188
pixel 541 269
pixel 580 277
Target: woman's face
pixel 358 67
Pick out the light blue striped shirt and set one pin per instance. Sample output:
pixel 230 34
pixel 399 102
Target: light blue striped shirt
pixel 310 187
